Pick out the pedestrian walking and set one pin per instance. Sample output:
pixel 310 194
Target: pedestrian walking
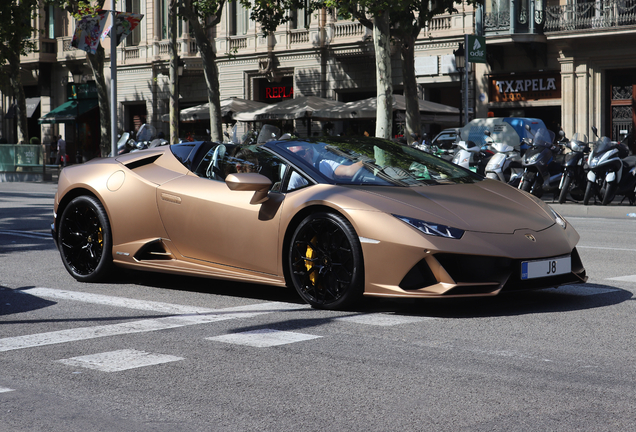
pixel 61 152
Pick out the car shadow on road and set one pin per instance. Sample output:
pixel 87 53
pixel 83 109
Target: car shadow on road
pixel 207 285
pixel 564 299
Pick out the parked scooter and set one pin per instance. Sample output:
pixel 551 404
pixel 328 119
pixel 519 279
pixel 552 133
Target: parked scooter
pixel 470 156
pixel 505 164
pixel 574 179
pixel 611 171
pixel 542 166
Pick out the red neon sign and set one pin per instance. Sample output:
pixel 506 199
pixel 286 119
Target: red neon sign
pixel 279 92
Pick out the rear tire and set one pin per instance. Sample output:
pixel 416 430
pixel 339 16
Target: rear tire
pixel 565 189
pixel 325 261
pixel 85 239
pixel 589 190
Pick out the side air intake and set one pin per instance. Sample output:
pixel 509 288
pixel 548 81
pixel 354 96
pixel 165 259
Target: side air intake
pixel 153 251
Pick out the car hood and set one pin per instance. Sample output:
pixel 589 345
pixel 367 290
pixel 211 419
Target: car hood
pixel 486 206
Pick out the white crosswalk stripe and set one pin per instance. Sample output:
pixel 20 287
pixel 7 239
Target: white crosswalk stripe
pixel 381 319
pixel 631 278
pixel 120 360
pixel 263 338
pixel 5 390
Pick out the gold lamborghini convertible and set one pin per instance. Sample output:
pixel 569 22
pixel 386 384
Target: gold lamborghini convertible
pixel 336 218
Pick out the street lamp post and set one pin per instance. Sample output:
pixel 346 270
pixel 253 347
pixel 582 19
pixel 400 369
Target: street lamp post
pixel 460 64
pixel 78 74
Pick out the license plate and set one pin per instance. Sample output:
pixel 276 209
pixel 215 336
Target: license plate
pixel 546 268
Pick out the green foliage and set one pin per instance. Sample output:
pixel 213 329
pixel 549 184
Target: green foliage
pixel 16 29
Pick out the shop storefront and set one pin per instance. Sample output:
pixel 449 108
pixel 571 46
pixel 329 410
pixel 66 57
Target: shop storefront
pixel 535 95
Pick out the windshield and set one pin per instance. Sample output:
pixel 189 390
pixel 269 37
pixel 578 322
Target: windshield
pixel 602 145
pixel 543 137
pixel 372 161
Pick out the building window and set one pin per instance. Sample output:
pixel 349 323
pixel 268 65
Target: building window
pixel 49 22
pixel 134 38
pixel 299 19
pixel 239 19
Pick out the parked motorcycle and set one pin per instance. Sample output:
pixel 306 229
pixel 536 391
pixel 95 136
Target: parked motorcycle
pixel 542 169
pixel 470 156
pixel 611 171
pixel 574 179
pixel 505 164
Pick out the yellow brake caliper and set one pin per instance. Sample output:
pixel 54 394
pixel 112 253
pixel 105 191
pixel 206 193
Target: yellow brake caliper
pixel 308 264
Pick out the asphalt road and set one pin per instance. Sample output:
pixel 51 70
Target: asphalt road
pixel 152 352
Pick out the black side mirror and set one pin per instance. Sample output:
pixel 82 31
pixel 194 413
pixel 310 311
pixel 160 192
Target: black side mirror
pixel 595 131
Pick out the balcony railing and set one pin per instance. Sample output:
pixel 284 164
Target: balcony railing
pixel 600 14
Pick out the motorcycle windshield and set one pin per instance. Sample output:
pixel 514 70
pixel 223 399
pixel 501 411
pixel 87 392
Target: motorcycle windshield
pixel 543 137
pixel 602 145
pixel 578 142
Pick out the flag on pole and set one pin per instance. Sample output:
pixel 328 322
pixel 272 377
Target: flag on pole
pixel 88 32
pixel 125 23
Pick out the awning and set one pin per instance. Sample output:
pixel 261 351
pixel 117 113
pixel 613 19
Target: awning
pixel 31 106
pixel 367 109
pixel 69 111
pixel 290 109
pixel 228 107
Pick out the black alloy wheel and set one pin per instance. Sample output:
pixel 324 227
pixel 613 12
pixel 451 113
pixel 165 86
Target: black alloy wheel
pixel 325 261
pixel 85 240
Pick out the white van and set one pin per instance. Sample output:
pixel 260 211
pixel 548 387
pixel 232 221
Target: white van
pixel 508 130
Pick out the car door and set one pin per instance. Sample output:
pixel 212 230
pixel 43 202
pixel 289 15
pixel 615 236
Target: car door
pixel 207 221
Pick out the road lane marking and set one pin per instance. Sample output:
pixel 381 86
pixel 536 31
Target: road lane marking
pixel 100 299
pixel 631 278
pixel 380 319
pixel 28 234
pixel 201 316
pixel 5 390
pixel 115 361
pixel 605 248
pixel 263 338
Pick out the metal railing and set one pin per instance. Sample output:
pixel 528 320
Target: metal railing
pixel 590 15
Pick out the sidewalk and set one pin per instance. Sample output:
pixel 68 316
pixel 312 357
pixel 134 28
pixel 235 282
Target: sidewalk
pixel 613 210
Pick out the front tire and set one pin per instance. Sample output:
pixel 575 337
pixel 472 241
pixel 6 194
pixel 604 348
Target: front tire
pixel 325 261
pixel 610 192
pixel 589 190
pixel 564 191
pixel 85 239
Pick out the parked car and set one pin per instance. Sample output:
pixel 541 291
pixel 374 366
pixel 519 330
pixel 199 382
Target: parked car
pixel 445 139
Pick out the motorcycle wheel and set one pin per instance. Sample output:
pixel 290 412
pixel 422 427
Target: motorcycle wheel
pixel 610 192
pixel 537 187
pixel 589 190
pixel 564 191
pixel 526 184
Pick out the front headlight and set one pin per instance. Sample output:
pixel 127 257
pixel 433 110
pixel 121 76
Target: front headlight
pixel 534 158
pixel 594 162
pixel 433 229
pixel 558 219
